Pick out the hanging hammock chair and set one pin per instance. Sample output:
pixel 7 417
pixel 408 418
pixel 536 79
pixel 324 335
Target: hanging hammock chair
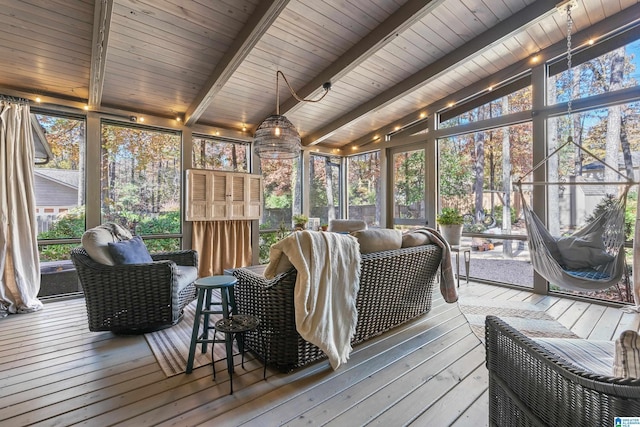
pixel 593 257
pixel 590 259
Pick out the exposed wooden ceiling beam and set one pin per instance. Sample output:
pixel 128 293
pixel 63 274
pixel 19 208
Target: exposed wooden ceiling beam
pixel 525 17
pixel 407 15
pixel 265 14
pixel 101 24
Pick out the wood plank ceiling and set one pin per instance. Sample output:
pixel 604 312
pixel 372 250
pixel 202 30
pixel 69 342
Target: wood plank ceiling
pixel 214 62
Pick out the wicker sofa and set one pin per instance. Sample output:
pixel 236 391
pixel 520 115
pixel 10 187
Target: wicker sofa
pixel 531 386
pixel 395 286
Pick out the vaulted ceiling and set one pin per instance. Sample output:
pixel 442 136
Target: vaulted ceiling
pixel 214 62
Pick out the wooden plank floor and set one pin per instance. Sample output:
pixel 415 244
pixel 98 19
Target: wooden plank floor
pixel 428 372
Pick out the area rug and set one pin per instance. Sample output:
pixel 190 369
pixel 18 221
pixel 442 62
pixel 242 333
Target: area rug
pixel 170 346
pixel 529 319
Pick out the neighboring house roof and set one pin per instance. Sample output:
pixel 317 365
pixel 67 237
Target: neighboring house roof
pixel 70 178
pixel 56 187
pixel 598 165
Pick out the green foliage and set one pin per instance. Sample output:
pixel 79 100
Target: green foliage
pixel 274 201
pixel 69 224
pixel 72 224
pixel 607 204
pixel 497 214
pixel 300 219
pixel 449 216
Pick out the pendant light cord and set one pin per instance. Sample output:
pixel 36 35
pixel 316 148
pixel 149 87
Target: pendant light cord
pixel 325 86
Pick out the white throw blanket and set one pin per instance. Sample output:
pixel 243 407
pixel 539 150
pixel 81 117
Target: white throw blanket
pixel 327 283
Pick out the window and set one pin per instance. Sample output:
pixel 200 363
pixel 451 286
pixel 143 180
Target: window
pixel 614 70
pixel 141 182
pixel 363 187
pixel 282 199
pixel 220 154
pixel 324 194
pixel 613 135
pixel 60 202
pixel 511 98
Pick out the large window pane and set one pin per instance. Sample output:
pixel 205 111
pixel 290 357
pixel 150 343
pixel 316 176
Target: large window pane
pixel 324 195
pixel 475 110
pixel 408 187
pixel 613 136
pixel 220 154
pixel 476 172
pixel 141 179
pixel 363 187
pixel 60 202
pixel 612 71
pixel 282 199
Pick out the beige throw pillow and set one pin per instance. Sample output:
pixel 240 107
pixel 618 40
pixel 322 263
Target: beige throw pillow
pixel 96 241
pixel 378 239
pixel 626 360
pixel 415 238
pixel 346 225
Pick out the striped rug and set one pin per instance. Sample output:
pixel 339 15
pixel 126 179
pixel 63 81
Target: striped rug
pixel 528 318
pixel 171 345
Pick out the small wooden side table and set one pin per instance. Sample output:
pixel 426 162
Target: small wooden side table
pixel 466 252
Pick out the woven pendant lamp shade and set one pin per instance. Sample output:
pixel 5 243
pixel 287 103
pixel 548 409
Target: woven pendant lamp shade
pixel 277 138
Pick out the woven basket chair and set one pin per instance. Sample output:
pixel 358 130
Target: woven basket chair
pixel 530 386
pixel 134 298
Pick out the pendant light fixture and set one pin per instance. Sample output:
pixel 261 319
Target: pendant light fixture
pixel 276 137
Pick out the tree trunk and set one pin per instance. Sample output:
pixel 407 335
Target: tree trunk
pixel 626 148
pixel 331 210
pixel 479 168
pixel 553 212
pixel 613 120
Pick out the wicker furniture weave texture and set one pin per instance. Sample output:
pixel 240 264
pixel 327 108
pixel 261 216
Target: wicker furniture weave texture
pixel 395 286
pixel 530 386
pixel 134 298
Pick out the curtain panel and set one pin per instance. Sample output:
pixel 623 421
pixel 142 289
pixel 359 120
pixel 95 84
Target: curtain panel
pixel 221 245
pixel 19 258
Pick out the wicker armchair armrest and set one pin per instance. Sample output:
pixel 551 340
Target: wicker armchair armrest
pixel 185 257
pixel 529 385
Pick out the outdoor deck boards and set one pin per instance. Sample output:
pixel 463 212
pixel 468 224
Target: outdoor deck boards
pixel 429 371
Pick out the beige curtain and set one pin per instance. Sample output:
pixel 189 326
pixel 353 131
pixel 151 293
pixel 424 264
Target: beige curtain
pixel 19 259
pixel 221 244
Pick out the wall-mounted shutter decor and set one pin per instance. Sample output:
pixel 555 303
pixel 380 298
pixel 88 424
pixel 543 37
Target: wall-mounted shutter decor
pixel 215 195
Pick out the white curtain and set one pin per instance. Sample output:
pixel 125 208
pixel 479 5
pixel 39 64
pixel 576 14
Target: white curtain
pixel 19 260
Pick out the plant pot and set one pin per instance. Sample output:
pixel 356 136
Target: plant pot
pixel 452 233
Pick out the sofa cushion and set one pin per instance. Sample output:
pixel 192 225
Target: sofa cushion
pixel 415 238
pixel 589 355
pixel 346 225
pixel 583 252
pixel 186 275
pixel 96 241
pixel 378 239
pixel 132 251
pixel 627 355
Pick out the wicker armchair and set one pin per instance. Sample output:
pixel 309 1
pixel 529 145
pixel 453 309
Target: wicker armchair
pixel 134 298
pixel 530 386
pixel 395 286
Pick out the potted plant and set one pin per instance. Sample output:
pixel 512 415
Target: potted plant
pixel 324 227
pixel 451 221
pixel 300 221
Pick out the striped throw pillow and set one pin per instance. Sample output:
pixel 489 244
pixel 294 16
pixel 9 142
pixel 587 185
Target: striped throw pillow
pixel 626 361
